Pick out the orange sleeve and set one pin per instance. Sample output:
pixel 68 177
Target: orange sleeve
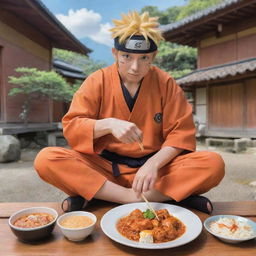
pixel 78 123
pixel 178 125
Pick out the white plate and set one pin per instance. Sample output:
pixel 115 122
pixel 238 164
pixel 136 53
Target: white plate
pixel 249 222
pixel 192 222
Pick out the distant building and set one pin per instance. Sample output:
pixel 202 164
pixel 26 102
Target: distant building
pixel 224 85
pixel 28 32
pixel 71 73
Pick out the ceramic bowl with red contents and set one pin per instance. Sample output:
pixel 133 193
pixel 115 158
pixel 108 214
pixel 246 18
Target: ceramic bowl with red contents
pixel 32 224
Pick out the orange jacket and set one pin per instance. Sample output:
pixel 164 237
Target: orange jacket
pixel 161 111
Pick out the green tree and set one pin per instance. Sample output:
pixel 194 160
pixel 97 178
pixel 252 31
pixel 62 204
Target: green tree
pixel 36 84
pixel 85 63
pixel 194 6
pixel 178 60
pixel 165 17
pixel 172 14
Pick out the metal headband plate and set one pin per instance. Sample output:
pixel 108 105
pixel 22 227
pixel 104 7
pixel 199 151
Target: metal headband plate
pixel 137 44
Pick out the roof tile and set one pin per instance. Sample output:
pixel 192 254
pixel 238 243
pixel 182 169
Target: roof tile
pixel 221 71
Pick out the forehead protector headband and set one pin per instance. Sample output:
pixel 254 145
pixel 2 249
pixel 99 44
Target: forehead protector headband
pixel 136 44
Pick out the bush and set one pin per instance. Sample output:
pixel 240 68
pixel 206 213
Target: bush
pixel 37 84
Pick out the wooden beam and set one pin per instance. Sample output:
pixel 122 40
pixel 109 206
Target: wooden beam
pixel 18 128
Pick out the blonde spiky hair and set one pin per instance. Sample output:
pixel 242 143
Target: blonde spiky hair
pixel 135 24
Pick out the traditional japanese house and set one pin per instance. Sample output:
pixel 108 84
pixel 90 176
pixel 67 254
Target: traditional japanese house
pixel 28 32
pixel 224 84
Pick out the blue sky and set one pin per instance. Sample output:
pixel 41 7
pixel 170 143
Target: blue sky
pixel 90 20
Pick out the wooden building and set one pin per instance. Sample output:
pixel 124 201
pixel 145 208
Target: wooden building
pixel 72 74
pixel 28 32
pixel 224 84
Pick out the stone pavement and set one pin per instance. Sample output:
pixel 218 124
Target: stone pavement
pixel 20 183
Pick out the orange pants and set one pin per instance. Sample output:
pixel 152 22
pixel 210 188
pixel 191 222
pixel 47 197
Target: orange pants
pixel 80 174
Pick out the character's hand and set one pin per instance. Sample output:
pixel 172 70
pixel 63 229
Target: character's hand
pixel 145 178
pixel 126 132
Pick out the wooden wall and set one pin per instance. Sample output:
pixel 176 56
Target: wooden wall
pixel 226 106
pixel 231 107
pixel 229 48
pixel 59 110
pixel 250 104
pixel 21 46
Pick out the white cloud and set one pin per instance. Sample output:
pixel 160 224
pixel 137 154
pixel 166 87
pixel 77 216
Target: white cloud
pixel 87 23
pixel 103 35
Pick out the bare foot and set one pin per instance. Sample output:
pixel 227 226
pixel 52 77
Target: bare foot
pixel 65 206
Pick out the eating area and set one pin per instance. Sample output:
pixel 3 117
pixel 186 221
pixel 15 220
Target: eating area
pixel 100 244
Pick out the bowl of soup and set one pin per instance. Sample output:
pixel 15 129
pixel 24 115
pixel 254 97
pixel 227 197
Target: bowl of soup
pixel 76 226
pixel 32 224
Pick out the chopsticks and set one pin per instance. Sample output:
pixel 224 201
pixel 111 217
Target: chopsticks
pixel 149 206
pixel 141 146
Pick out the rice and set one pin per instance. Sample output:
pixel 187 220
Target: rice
pixel 231 228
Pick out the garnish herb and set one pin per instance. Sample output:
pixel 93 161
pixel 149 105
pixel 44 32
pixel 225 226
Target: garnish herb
pixel 148 214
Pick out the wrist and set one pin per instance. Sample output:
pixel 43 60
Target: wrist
pixel 102 127
pixel 108 123
pixel 154 163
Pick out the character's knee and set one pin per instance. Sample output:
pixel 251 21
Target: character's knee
pixel 42 161
pixel 216 166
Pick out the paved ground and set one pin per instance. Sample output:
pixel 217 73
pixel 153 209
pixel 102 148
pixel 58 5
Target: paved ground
pixel 20 183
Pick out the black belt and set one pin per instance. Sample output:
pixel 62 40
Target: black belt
pixel 119 159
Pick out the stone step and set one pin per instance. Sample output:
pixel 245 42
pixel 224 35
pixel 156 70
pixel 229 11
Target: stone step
pixel 237 145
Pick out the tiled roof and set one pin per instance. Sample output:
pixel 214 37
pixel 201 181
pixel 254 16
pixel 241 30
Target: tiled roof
pixel 64 65
pixel 217 72
pixel 68 70
pixel 71 74
pixel 199 15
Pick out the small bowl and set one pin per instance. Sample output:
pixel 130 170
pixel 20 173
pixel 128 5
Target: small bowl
pixel 227 239
pixel 77 234
pixel 32 234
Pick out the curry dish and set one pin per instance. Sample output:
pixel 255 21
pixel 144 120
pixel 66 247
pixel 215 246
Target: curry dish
pixel 166 229
pixel 34 220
